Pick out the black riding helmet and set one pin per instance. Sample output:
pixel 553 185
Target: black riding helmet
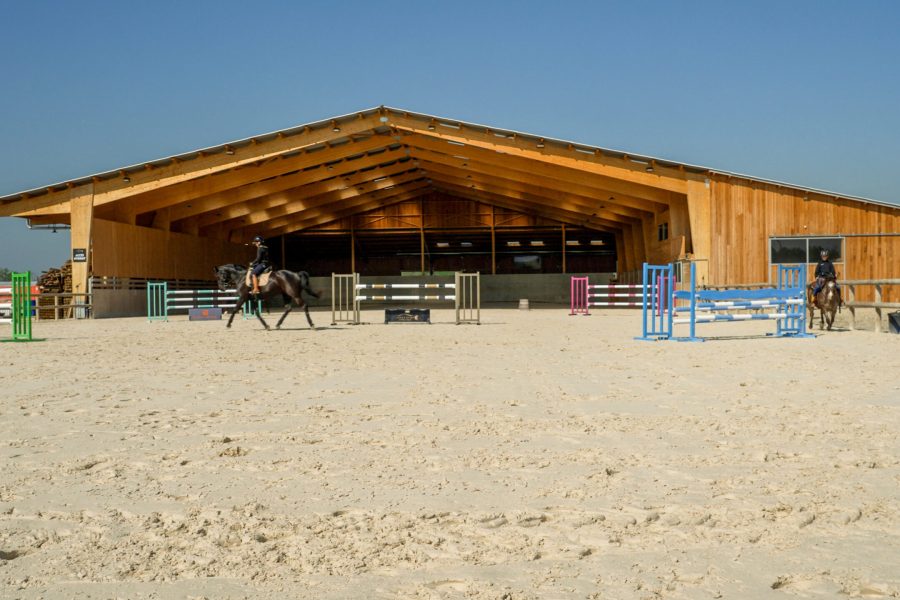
pixel 823 253
pixel 259 239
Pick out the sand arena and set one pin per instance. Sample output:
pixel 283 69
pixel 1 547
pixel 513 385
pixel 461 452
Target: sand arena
pixel 534 456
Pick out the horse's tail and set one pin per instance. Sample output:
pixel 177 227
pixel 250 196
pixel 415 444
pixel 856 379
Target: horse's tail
pixel 304 285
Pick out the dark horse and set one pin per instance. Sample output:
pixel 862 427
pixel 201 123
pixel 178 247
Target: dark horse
pixel 827 301
pixel 287 283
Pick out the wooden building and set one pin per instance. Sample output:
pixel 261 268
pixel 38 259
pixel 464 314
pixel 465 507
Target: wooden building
pixel 386 191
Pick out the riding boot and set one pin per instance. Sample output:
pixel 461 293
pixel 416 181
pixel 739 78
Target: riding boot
pixel 255 279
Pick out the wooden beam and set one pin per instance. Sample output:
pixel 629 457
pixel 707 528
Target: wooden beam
pixel 667 179
pixel 222 180
pixel 112 189
pixel 285 200
pixel 496 164
pixel 247 193
pixel 314 206
pixel 699 206
pixel 559 198
pixel 81 237
pixel 410 192
pixel 534 202
pixel 527 206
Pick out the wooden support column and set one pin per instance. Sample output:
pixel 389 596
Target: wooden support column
pixel 640 250
pixel 421 236
pixel 352 247
pixel 699 205
pixel 564 248
pixel 283 253
pixel 627 263
pixel 82 225
pixel 621 266
pixel 493 242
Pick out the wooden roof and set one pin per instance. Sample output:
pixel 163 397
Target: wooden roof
pixel 307 176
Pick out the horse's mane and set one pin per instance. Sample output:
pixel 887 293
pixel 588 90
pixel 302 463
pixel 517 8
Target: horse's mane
pixel 234 266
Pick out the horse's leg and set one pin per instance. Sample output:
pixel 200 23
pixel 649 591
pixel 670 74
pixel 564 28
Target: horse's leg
pixel 308 318
pixel 258 312
pixel 236 310
pixel 288 307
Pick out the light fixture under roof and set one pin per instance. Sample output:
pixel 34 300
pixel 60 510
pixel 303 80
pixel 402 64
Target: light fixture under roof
pixel 513 244
pixel 537 242
pixel 597 243
pixel 229 150
pixel 540 143
pixel 572 243
pixel 335 127
pixel 432 125
pixel 466 244
pixel 442 244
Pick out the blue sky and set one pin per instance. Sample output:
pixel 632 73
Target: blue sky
pixel 806 92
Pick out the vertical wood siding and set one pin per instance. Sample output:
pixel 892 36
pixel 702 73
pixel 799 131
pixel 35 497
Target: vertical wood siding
pixel 745 214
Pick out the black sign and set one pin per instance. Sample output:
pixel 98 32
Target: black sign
pixel 407 315
pixel 79 254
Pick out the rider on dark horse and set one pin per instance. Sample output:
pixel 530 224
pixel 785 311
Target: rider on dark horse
pixel 260 264
pixel 824 271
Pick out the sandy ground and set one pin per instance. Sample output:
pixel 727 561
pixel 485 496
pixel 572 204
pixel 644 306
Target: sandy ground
pixel 535 456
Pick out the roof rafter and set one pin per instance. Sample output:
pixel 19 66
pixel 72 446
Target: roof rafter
pixel 673 180
pixel 653 200
pixel 319 206
pixel 561 199
pixel 317 181
pixel 359 204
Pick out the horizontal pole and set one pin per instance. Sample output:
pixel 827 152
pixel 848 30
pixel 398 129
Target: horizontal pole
pixel 870 282
pixel 359 298
pixel 408 286
pixel 199 292
pixel 713 318
pixel 872 304
pixel 616 295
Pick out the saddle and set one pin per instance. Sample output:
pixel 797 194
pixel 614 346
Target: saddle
pixel 263 279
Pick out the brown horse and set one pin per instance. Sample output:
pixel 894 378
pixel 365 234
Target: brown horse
pixel 828 300
pixel 288 284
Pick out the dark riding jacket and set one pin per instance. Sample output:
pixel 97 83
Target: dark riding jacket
pixel 262 256
pixel 825 268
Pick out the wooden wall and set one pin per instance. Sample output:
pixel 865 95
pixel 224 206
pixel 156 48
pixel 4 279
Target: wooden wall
pixel 121 250
pixel 745 214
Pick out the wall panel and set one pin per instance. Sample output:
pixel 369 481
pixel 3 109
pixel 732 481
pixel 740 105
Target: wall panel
pixel 121 250
pixel 745 214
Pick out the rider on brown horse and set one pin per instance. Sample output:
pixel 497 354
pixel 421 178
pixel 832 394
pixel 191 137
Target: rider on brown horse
pixel 825 270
